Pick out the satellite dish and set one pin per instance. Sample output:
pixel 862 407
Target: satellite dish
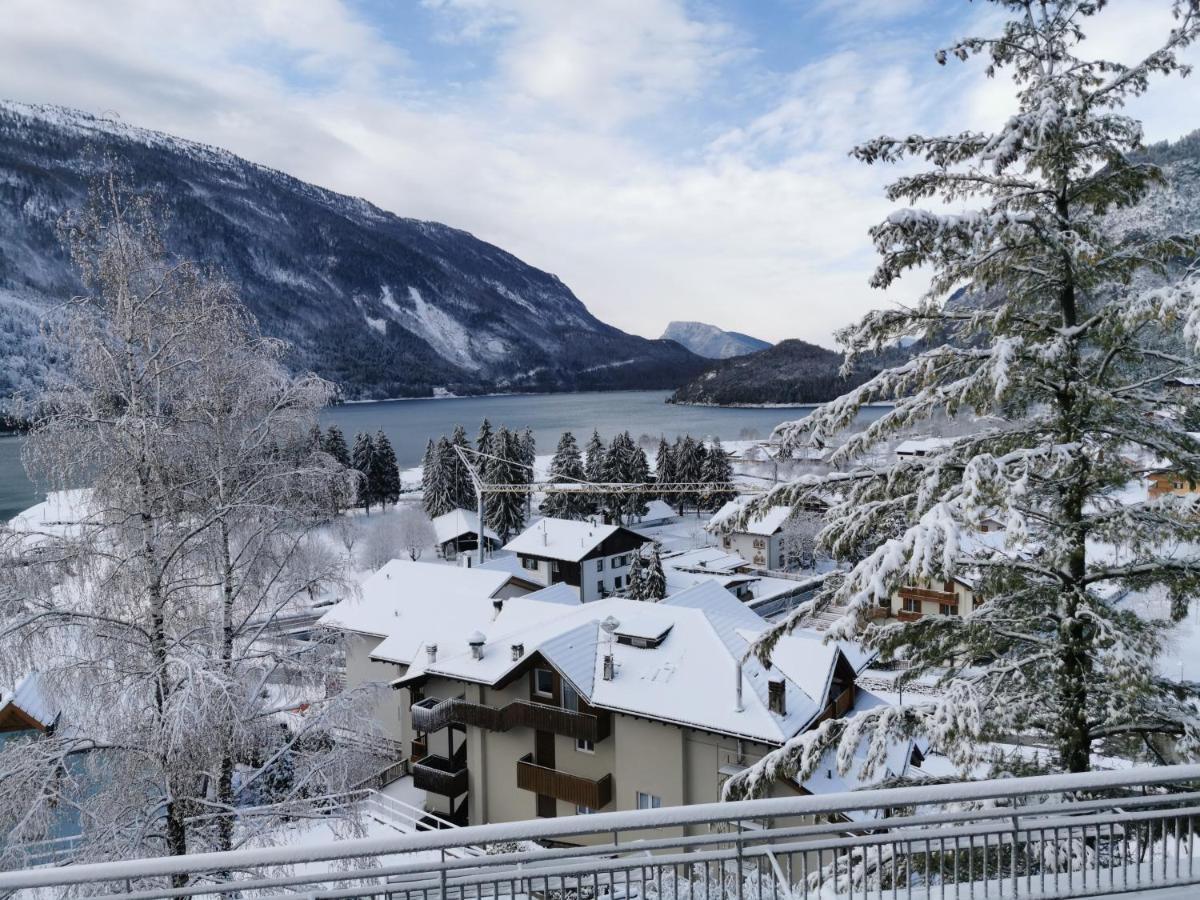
pixel 610 625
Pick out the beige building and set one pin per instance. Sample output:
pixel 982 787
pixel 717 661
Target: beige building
pixel 551 707
pixel 760 541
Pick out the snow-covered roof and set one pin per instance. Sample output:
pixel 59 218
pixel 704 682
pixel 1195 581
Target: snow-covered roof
pixel 765 524
pixel 561 593
pixel 562 539
pixel 706 559
pixel 405 589
pixel 31 698
pixel 458 522
pixel 688 679
pixel 922 446
pixel 656 511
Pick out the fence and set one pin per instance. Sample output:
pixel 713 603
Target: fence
pixel 1091 834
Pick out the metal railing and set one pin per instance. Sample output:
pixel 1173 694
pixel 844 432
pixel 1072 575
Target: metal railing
pixel 1091 834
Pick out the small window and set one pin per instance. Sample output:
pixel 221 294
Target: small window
pixel 617 583
pixel 912 604
pixel 648 801
pixel 583 810
pixel 600 587
pixel 600 564
pixel 583 745
pixel 530 564
pixel 570 698
pixel 543 682
pixel 948 609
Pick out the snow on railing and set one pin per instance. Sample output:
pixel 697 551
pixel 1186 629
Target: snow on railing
pixel 1089 834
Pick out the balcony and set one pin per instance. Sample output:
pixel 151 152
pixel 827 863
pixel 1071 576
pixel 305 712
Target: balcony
pixel 561 786
pixel 439 775
pixel 434 714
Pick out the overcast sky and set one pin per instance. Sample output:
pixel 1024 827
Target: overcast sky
pixel 666 159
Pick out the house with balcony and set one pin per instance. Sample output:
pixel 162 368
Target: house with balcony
pixel 760 541
pixel 588 555
pixel 613 705
pixel 458 532
pixel 405 596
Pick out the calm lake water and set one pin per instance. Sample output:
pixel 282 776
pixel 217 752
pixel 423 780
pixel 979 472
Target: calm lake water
pixel 410 423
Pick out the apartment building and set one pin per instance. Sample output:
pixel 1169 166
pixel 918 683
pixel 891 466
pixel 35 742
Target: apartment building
pixel 760 541
pixel 590 556
pixel 561 709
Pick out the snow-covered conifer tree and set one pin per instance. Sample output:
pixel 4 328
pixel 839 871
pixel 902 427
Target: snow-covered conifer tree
pixel 664 467
pixel 689 469
pixel 717 471
pixel 385 471
pixel 436 474
pixel 483 440
pixel 1069 330
pixel 595 465
pixel 362 459
pixel 654 579
pixel 462 490
pixel 566 466
pixel 505 511
pixel 335 445
pixel 635 587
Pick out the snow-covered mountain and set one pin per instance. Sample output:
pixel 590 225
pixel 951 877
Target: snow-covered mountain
pixel 712 342
pixel 384 306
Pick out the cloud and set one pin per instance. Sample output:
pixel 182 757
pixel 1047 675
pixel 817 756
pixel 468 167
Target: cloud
pixel 640 149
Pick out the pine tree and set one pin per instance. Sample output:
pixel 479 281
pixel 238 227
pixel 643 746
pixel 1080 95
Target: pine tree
pixel 462 489
pixel 566 466
pixel 505 511
pixel 483 440
pixel 315 438
pixel 385 471
pixel 436 474
pixel 361 460
pixel 688 469
pixel 335 445
pixel 1066 350
pixel 664 468
pixel 717 471
pixel 626 463
pixel 654 579
pixel 528 450
pixel 595 465
pixel 635 586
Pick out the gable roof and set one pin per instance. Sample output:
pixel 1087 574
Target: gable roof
pixel 562 539
pixel 391 591
pixel 688 679
pixel 458 522
pixel 765 524
pixel 31 700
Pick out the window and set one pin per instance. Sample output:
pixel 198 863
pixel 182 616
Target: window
pixel 600 587
pixel 570 698
pixel 543 682
pixel 583 745
pixel 648 801
pixel 617 583
pixel 912 604
pixel 583 810
pixel 530 564
pixel 948 609
pixel 600 564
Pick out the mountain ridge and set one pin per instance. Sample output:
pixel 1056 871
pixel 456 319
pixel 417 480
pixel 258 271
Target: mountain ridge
pixel 383 305
pixel 710 341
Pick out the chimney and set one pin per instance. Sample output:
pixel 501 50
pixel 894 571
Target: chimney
pixel 737 706
pixel 609 667
pixel 431 652
pixel 775 696
pixel 518 650
pixel 497 607
pixel 476 642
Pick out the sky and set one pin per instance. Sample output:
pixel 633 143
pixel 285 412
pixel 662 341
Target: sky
pixel 666 159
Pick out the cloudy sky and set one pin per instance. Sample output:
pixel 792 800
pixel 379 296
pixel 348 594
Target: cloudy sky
pixel 667 159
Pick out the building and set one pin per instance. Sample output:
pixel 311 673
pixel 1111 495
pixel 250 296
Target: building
pixel 687 568
pixel 954 597
pixel 588 555
pixel 27 708
pixel 568 708
pixel 920 447
pixel 458 532
pixel 393 600
pixel 760 541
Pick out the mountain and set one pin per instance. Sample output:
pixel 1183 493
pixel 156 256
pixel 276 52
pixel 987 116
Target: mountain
pixel 712 342
pixel 382 305
pixel 796 372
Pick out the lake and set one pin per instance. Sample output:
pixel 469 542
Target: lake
pixel 410 423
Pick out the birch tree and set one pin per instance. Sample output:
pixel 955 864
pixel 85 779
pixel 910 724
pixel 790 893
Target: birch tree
pixel 1059 353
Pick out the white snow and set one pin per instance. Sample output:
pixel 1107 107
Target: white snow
pixel 449 337
pixel 457 523
pixel 30 696
pixel 766 524
pixel 561 539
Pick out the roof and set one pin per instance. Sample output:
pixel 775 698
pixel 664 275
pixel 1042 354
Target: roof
pixel 458 522
pixel 688 679
pixel 562 539
pixel 712 560
pixel 656 511
pixel 561 593
pixel 402 588
pixel 765 524
pixel 63 514
pixel 31 698
pixel 922 446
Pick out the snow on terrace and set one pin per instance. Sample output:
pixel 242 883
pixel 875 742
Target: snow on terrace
pixel 688 674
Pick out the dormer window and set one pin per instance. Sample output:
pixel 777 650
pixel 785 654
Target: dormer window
pixel 543 682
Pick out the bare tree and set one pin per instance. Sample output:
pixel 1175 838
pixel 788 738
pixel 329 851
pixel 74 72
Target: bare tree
pixel 799 539
pixel 415 532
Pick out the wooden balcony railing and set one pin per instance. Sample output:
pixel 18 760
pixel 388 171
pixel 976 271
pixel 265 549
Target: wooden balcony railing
pixel 433 714
pixel 561 786
pixel 916 593
pixel 839 705
pixel 441 776
pixel 420 749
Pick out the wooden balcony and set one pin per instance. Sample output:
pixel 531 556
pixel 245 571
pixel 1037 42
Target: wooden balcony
pixel 922 594
pixel 561 786
pixel 839 705
pixel 433 714
pixel 420 749
pixel 441 776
